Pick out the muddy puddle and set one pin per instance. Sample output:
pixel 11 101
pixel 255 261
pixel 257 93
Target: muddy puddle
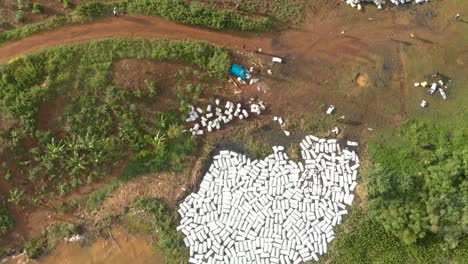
pixel 123 249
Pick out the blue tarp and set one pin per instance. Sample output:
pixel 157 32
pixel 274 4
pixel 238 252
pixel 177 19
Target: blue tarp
pixel 238 71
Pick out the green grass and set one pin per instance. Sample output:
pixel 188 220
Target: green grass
pixel 280 11
pixel 96 198
pixel 199 15
pixel 255 147
pixel 6 221
pixel 84 13
pixel 169 240
pixel 417 183
pixel 362 240
pixel 46 241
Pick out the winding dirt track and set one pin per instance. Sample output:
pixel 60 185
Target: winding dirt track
pixel 127 26
pixel 318 37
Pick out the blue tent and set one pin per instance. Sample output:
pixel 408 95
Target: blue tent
pixel 238 71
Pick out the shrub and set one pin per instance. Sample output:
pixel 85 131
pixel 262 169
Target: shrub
pixel 67 4
pixel 35 247
pixel 417 184
pixel 19 16
pixel 198 14
pixel 6 221
pixel 170 241
pixel 37 8
pixel 94 9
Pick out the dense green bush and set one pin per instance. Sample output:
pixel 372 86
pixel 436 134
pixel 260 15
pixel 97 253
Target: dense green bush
pixel 19 16
pixel 6 221
pixel 418 185
pixel 363 240
pixel 37 8
pixel 96 9
pixel 67 4
pixel 198 14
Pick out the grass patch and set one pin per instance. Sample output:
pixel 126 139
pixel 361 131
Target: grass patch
pixel 96 198
pixel 139 223
pixel 169 240
pixel 280 11
pixel 45 242
pixel 363 240
pixel 255 147
pixel 417 184
pixel 197 14
pixel 6 221
pixel 84 13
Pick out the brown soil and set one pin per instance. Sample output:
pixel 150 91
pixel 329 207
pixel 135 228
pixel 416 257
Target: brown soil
pixel 131 74
pixel 50 113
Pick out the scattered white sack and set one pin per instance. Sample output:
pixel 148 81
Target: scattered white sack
pixel 423 103
pixel 442 93
pixel 336 130
pixel 330 109
pixel 380 3
pixel 276 59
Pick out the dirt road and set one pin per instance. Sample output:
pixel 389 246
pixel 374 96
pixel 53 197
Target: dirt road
pixel 319 37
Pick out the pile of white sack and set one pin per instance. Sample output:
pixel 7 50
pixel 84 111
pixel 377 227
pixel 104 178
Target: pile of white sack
pixel 380 3
pixel 273 210
pixel 213 117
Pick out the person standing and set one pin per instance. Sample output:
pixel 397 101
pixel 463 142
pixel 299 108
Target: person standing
pixel 115 11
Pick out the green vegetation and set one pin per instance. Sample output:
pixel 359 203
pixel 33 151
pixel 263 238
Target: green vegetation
pixel 84 13
pixel 67 4
pixel 417 185
pixel 6 221
pixel 170 241
pixel 49 239
pixel 137 222
pixel 282 11
pixel 19 17
pixel 96 199
pixel 255 147
pixel 101 124
pixel 37 8
pixel 194 13
pixel 363 240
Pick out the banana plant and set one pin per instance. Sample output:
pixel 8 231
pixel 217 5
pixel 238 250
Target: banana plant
pixel 55 150
pixel 15 196
pixel 158 141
